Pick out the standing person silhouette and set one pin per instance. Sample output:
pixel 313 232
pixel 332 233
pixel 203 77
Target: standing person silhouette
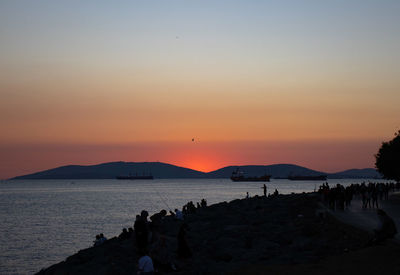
pixel 265 190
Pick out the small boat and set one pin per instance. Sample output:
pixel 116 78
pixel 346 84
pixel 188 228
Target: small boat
pixel 239 176
pixel 135 177
pixel 320 177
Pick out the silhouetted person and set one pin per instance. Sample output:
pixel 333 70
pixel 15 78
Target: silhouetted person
pixel 368 199
pixel 157 218
pixel 340 197
pixel 102 238
pixel 141 233
pixel 124 235
pixel 145 264
pixel 144 214
pixel 388 227
pixel 190 208
pixel 374 197
pixel 348 196
pixel 96 242
pixel 265 190
pixel 162 258
pixel 130 232
pixel 178 214
pixel 183 248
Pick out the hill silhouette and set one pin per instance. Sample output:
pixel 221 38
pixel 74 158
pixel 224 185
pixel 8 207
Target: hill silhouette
pixel 112 169
pixel 164 171
pixel 275 170
pixel 357 173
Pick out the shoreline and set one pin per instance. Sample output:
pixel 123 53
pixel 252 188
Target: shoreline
pixel 276 233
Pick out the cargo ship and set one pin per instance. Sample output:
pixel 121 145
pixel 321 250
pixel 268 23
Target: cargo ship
pixel 135 177
pixel 239 176
pixel 320 177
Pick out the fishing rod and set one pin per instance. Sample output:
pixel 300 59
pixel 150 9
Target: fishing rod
pixel 164 201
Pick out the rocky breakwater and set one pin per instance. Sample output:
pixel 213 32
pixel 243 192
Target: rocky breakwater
pixel 284 230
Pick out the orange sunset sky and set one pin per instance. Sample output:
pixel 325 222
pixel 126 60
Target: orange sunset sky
pixel 313 83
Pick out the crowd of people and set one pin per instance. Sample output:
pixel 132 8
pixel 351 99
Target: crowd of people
pixel 340 197
pixel 151 244
pixel 371 195
pixel 190 207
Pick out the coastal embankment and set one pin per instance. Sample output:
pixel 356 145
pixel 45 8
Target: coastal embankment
pixel 283 234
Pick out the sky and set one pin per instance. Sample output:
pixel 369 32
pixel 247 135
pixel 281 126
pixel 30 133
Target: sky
pixel 313 83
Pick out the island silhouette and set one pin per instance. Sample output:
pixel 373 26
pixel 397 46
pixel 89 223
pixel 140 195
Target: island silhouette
pixel 160 170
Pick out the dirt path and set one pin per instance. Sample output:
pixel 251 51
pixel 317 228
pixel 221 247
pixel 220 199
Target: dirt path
pixel 377 259
pixel 367 219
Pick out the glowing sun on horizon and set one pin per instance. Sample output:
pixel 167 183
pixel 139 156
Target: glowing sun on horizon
pixel 200 163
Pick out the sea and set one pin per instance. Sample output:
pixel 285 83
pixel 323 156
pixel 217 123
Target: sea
pixel 45 221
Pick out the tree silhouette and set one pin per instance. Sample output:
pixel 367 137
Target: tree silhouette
pixel 388 159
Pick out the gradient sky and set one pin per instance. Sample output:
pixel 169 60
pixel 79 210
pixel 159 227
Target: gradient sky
pixel 315 83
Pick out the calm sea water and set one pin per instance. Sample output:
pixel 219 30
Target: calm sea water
pixel 45 221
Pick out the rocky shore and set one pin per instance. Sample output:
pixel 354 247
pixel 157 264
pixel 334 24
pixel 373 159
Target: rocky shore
pixel 284 234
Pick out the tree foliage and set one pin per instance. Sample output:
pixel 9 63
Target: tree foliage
pixel 388 158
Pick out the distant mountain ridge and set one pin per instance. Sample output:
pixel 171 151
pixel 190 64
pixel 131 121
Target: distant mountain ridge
pixel 112 169
pixel 164 171
pixel 357 173
pixel 275 170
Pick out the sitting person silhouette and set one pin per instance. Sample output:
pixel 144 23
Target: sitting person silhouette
pixel 387 230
